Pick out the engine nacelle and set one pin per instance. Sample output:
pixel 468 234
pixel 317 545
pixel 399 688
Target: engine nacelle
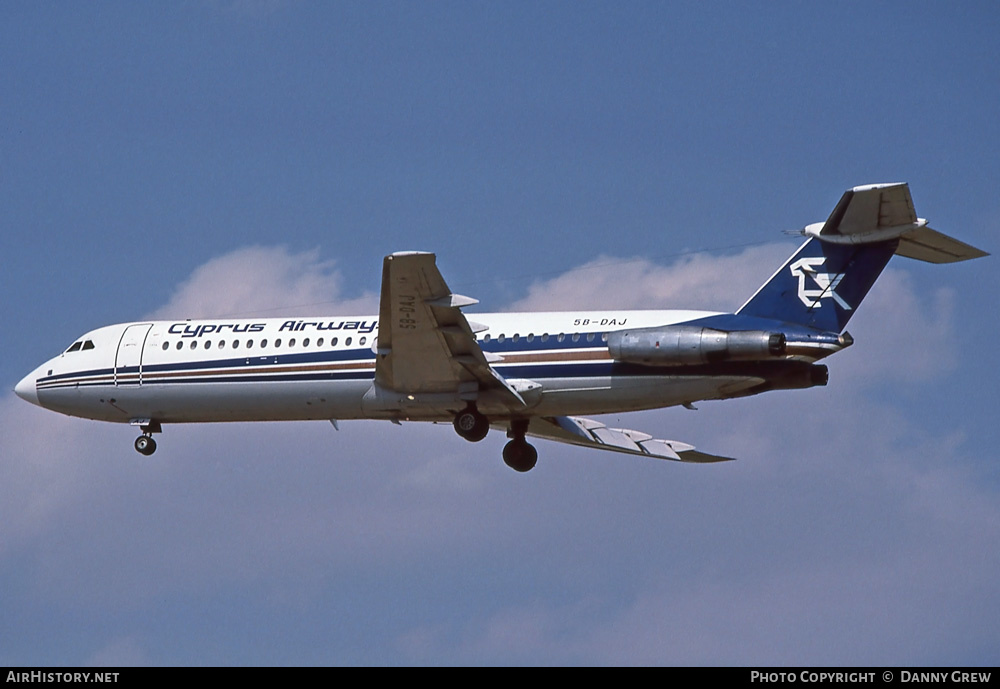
pixel 689 345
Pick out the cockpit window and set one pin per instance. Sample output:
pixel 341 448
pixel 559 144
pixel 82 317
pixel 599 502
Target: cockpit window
pixel 89 344
pixel 75 347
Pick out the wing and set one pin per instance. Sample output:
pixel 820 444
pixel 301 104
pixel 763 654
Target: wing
pixel 589 433
pixel 425 343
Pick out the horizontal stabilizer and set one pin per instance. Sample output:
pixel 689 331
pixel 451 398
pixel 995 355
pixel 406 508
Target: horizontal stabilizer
pixel 869 208
pixel 925 244
pixel 882 212
pixel 590 433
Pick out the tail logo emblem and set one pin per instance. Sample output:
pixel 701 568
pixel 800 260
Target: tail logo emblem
pixel 826 282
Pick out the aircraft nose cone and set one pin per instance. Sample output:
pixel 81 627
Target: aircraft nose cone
pixel 26 389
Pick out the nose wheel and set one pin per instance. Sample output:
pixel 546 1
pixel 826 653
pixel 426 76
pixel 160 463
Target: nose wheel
pixel 145 445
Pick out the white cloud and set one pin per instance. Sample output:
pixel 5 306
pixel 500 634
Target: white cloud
pixel 264 281
pixel 42 476
pixel 902 333
pixel 698 281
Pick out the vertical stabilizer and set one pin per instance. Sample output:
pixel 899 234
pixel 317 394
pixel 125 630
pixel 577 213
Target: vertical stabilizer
pixel 823 284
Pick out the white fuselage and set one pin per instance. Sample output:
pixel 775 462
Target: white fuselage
pixel 253 369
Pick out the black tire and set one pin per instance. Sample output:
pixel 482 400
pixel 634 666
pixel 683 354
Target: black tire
pixel 145 445
pixel 520 456
pixel 471 425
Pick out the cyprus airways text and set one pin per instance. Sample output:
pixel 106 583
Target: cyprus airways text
pixel 201 329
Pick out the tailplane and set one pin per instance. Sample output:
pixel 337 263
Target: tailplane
pixel 824 282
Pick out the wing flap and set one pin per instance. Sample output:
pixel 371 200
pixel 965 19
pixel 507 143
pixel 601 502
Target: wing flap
pixel 594 434
pixel 614 437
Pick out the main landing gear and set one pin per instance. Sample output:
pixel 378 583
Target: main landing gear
pixel 518 454
pixel 471 425
pixel 144 444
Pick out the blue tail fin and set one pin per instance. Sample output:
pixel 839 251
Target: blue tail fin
pixel 822 284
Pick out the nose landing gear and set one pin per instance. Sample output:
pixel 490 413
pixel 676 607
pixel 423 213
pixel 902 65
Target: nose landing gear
pixel 144 444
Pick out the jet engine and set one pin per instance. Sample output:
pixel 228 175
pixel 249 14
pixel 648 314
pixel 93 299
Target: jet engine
pixel 688 345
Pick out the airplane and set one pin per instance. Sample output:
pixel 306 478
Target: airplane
pixel 528 374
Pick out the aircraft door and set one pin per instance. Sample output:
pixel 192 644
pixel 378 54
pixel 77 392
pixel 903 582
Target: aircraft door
pixel 128 359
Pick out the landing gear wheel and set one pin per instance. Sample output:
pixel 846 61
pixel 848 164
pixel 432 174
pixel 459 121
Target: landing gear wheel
pixel 145 445
pixel 471 425
pixel 520 455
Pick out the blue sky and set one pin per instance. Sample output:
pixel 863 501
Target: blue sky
pixel 185 159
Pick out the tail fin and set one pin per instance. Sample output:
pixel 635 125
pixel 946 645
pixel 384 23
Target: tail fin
pixel 824 282
pixel 821 285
